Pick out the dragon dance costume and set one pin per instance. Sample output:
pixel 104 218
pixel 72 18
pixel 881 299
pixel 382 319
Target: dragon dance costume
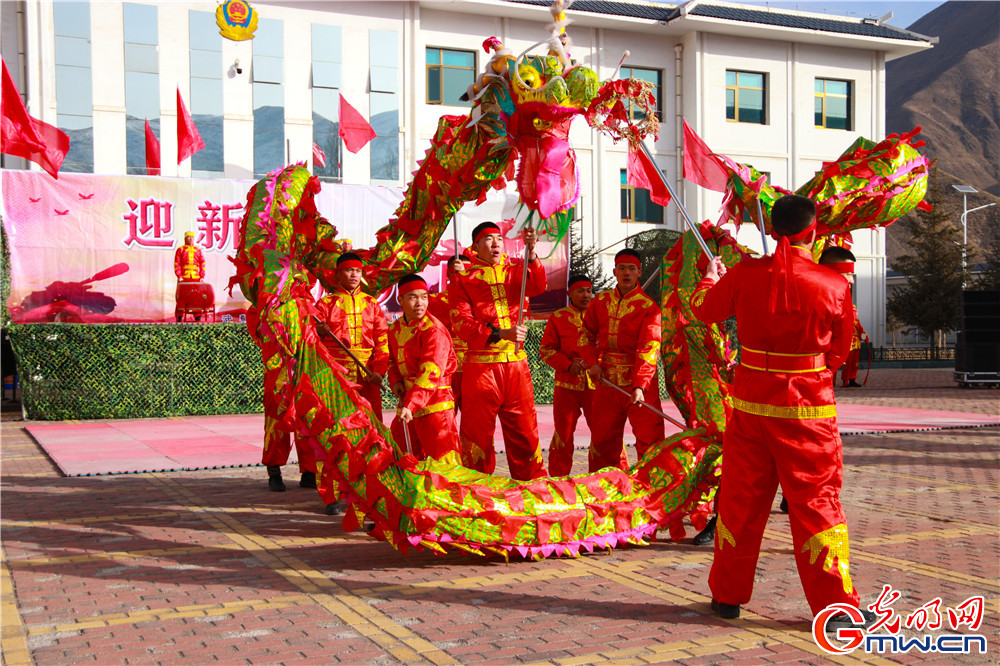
pixel 496 379
pixel 573 394
pixel 439 305
pixel 422 358
pixel 784 427
pixel 623 335
pixel 357 319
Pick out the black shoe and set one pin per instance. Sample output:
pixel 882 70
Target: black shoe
pixel 707 535
pixel 727 611
pixel 335 509
pixel 854 384
pixel 784 505
pixel 308 480
pixel 274 482
pixel 844 621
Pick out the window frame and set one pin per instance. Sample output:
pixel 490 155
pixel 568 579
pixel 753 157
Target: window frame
pixel 657 94
pixel 631 189
pixel 823 96
pixel 441 66
pixel 736 97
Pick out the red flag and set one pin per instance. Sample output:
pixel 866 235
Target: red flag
pixel 354 129
pixel 319 157
pixel 189 140
pixel 641 172
pixel 701 166
pixel 27 137
pixel 152 152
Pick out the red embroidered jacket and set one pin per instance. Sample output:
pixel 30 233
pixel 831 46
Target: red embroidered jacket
pixel 439 305
pixel 189 264
pixel 357 319
pixel 486 300
pixel 564 335
pixel 421 356
pixel 787 359
pixel 623 334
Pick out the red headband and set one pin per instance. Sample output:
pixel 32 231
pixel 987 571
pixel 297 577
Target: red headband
pixel 628 259
pixel 412 285
pixel 841 267
pixel 349 263
pixel 799 237
pixel 487 230
pixel 580 283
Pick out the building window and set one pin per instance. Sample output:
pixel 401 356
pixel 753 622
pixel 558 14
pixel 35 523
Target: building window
pixel 206 94
pixel 636 206
pixel 268 97
pixel 654 76
pixel 142 82
pixel 833 104
pixel 74 94
pixel 746 95
pixel 326 66
pixel 449 75
pixel 383 104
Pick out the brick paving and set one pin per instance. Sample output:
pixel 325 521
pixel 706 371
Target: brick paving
pixel 207 566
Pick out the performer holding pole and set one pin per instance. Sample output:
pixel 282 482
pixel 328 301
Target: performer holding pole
pixel 440 306
pixel 421 363
pixel 355 332
pixel 356 319
pixel 573 393
pixel 623 341
pixel 496 380
pixel 794 321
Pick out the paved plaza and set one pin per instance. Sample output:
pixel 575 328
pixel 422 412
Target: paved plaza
pixel 207 566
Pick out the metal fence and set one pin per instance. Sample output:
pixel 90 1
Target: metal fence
pixel 910 353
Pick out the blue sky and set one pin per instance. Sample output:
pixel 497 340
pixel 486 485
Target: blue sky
pixel 904 13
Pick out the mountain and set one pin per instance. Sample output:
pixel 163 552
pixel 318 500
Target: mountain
pixel 952 91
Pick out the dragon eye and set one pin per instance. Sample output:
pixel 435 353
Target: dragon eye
pixel 530 76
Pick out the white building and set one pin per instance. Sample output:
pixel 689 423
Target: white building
pixel 781 90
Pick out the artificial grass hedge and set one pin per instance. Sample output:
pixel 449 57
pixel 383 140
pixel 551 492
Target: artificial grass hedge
pixel 127 371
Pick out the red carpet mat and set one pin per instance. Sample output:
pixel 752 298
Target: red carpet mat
pixel 206 442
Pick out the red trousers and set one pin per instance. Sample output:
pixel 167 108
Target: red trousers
pixel 567 405
pixel 277 446
pixel 373 394
pixel 850 370
pixel 431 436
pixel 806 458
pixel 456 388
pixel 608 432
pixel 504 390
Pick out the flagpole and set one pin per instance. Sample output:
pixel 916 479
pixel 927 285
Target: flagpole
pixel 673 196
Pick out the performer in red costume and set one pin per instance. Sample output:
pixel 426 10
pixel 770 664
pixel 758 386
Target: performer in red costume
pixel 623 340
pixel 842 260
pixel 440 307
pixel 496 380
pixel 574 392
pixel 421 363
pixel 189 263
pixel 359 323
pixel 794 321
pixel 357 320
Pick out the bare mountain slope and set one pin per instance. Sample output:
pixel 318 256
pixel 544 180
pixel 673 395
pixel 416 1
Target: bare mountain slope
pixel 953 92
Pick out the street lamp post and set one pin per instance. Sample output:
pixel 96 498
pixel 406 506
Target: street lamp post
pixel 966 191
